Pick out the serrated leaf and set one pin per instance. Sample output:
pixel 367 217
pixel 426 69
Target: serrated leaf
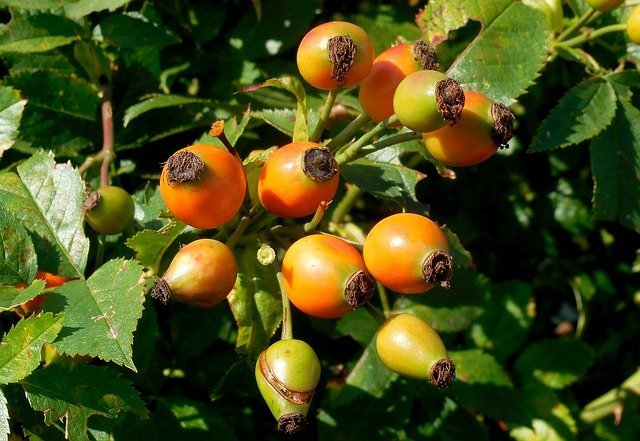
pixel 4 418
pixel 300 120
pixel 582 113
pixel 615 164
pixel 461 257
pixel 388 181
pixel 132 30
pixel 18 260
pixel 453 309
pixel 75 391
pixel 160 102
pixel 47 198
pixel 439 18
pixel 498 62
pixel 21 346
pixel 38 33
pixel 10 297
pixel 82 8
pixel 102 312
pixel 506 320
pixel 150 245
pixel 555 363
pixel 482 384
pixel 11 108
pixel 255 303
pixel 63 93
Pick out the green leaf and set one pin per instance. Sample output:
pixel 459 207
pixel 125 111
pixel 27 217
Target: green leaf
pixel 437 19
pixel 293 85
pixel 132 30
pixel 549 417
pixel 37 33
pixel 482 384
pixel 453 309
pixel 11 297
pixel 47 198
pixel 615 164
pixel 369 375
pixel 101 312
pixel 11 108
pixel 36 5
pixel 160 102
pixel 82 8
pixel 150 245
pixel 555 363
pixel 62 93
pixel 21 346
pixel 582 113
pixel 359 325
pixel 507 319
pixel 387 180
pixel 196 420
pixel 4 418
pixel 508 54
pixel 75 391
pixel 18 260
pixel 461 257
pixel 255 303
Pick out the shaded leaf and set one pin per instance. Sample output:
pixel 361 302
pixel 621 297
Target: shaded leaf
pixel 11 297
pixel 101 313
pixel 255 304
pixel 11 108
pixel 555 363
pixel 195 420
pixel 81 8
pixel 36 5
pixel 359 325
pixel 47 198
pixel 497 62
pixel 582 113
pixel 76 391
pixel 21 346
pixel 37 33
pixel 369 375
pixel 461 257
pixel 615 164
pixel 150 245
pixel 18 260
pixel 507 319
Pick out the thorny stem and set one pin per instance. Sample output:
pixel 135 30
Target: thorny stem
pixel 613 401
pixel 343 137
pixel 107 133
pixel 324 116
pixel 358 150
pixel 287 326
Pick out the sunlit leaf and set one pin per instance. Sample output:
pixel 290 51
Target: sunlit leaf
pixel 11 108
pixel 38 33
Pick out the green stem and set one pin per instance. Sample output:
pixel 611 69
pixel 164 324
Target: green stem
pixel 100 251
pixel 358 149
pixel 324 115
pixel 346 203
pixel 317 217
pixel 345 135
pixel 384 299
pixel 374 312
pixel 612 400
pixel 592 35
pixel 591 13
pixel 287 325
pixel 244 223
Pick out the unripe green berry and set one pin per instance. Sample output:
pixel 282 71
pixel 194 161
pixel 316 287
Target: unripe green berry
pixel 287 373
pixel 109 209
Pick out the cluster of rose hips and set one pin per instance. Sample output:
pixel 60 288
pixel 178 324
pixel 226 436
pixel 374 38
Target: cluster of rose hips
pixel 322 274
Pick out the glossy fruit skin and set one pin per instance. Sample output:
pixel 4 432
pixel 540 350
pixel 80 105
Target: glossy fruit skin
pixel 389 68
pixel 113 212
pixel 202 273
pixel 287 373
pixel 408 345
pixel 414 101
pixel 285 190
pixel 396 247
pixel 313 60
pixel 604 5
pixel 633 25
pixel 316 269
pixel 215 197
pixel 50 281
pixel 468 142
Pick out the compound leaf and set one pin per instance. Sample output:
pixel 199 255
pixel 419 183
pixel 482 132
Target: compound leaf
pixel 101 312
pixel 21 346
pixel 150 245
